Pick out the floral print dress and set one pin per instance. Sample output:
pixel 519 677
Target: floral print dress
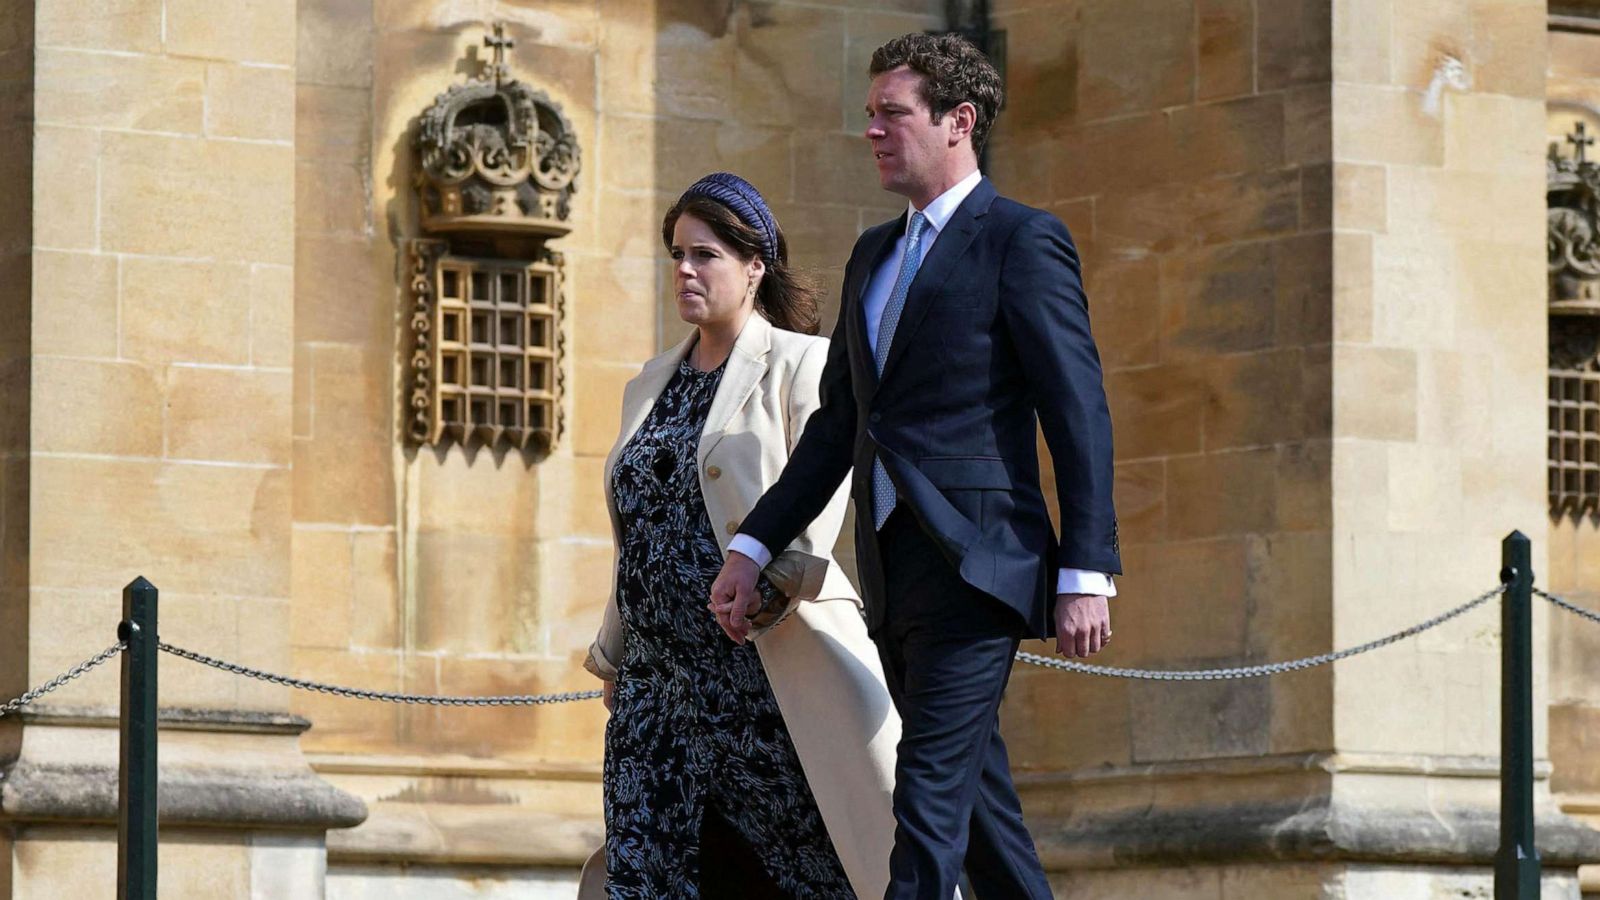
pixel 695 726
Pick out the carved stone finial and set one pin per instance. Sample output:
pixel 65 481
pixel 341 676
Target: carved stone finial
pixel 1581 142
pixel 500 44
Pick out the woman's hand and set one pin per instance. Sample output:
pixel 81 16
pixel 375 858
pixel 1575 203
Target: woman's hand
pixel 608 695
pixel 734 596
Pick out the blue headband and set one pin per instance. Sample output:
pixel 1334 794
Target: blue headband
pixel 742 198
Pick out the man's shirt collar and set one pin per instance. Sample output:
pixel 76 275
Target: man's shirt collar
pixel 942 207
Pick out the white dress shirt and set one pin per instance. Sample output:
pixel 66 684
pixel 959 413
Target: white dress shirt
pixel 938 213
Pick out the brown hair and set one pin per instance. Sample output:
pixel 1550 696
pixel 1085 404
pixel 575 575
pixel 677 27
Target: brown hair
pixel 953 72
pixel 785 298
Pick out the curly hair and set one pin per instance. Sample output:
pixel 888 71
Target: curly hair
pixel 953 72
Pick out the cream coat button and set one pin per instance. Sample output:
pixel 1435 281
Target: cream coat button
pixel 733 527
pixel 713 473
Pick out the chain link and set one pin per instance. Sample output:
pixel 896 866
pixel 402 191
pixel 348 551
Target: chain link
pixel 1276 668
pixel 77 670
pixel 384 696
pixel 1569 606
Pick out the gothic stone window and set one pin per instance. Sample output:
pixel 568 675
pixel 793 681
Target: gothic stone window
pixel 1573 239
pixel 498 168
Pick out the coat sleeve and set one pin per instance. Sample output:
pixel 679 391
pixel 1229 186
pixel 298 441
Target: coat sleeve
pixel 820 459
pixel 1047 317
pixel 605 654
pixel 799 570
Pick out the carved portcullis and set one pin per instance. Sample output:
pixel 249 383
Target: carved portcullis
pixel 498 165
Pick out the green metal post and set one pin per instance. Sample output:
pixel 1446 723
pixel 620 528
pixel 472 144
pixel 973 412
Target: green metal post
pixel 1516 865
pixel 136 782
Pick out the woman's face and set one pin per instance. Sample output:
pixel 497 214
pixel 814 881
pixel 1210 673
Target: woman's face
pixel 713 285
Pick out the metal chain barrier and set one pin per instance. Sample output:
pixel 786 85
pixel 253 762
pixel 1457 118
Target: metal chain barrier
pixel 1065 665
pixel 77 670
pixel 1257 671
pixel 385 696
pixel 1569 606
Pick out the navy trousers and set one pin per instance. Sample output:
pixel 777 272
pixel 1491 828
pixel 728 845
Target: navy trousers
pixel 947 650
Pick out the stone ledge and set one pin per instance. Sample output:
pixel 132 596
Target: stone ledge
pixel 1583 8
pixel 168 718
pixel 1309 831
pixel 467 835
pixel 213 797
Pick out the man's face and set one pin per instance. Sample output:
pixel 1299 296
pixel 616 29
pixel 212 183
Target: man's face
pixel 909 149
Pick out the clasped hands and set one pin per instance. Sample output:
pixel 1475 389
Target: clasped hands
pixel 734 596
pixel 1083 621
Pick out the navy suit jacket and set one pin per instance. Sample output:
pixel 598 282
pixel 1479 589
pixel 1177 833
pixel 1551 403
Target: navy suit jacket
pixel 993 343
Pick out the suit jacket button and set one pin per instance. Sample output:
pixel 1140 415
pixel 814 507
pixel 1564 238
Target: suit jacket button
pixel 733 527
pixel 713 472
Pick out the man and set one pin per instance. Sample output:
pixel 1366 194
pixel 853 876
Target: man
pixel 962 324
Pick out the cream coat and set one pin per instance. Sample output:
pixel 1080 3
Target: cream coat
pixel 824 669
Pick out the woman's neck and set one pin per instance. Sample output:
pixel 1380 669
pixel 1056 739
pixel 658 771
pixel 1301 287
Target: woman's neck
pixel 716 342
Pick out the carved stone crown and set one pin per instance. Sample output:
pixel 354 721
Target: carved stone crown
pixel 497 155
pixel 1573 235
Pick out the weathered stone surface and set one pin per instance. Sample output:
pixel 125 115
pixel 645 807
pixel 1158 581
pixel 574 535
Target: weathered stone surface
pixel 149 93
pixel 126 25
pixel 1300 831
pixel 244 798
pixel 147 208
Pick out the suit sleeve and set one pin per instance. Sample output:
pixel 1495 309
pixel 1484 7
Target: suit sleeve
pixel 1047 317
pixel 821 458
pixel 799 570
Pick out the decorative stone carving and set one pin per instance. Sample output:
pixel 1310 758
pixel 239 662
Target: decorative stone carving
pixel 1573 242
pixel 497 155
pixel 498 163
pixel 1573 196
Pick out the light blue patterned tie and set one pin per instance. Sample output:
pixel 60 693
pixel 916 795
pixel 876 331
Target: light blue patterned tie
pixel 882 487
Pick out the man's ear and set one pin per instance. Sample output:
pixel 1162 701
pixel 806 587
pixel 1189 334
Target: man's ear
pixel 964 118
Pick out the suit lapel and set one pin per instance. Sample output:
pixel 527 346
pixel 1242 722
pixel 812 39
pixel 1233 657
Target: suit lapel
pixel 948 248
pixel 747 365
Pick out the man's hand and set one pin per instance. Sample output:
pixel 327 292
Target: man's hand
pixel 608 695
pixel 734 596
pixel 1083 624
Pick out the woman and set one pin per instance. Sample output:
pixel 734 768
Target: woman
pixel 738 771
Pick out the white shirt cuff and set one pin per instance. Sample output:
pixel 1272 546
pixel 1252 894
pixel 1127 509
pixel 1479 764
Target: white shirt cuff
pixel 1081 581
pixel 749 546
pixel 1070 581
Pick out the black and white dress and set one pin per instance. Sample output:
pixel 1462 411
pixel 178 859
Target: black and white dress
pixel 695 730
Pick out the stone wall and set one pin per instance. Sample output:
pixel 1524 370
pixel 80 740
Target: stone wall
pixel 1186 145
pixel 16 311
pixel 163 263
pixel 157 184
pixel 1311 234
pixel 1440 370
